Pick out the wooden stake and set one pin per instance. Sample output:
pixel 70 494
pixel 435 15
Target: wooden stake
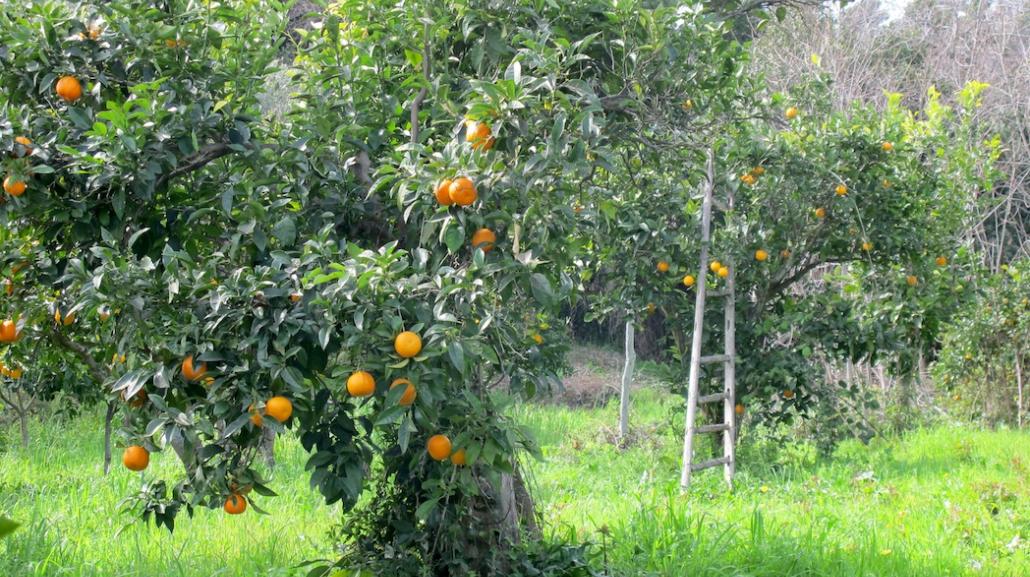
pixel 627 380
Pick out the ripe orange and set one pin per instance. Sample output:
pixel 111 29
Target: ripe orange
pixel 408 396
pixel 477 134
pixel 912 280
pixel 791 113
pixel 295 296
pixel 688 281
pixel 887 146
pixel 941 261
pixel 69 88
pixel 723 272
pixel 191 373
pixel 8 331
pixel 758 170
pixel 361 384
pixel 715 266
pixel 24 141
pixel 407 344
pixel 538 338
pixel 463 191
pixel 138 399
pixel 104 313
pixel 739 409
pixel 484 238
pixel 14 373
pixel 439 447
pixel 785 253
pixel 443 192
pixel 663 266
pixel 820 212
pixel 67 320
pixel 458 458
pixel 135 458
pixel 761 255
pixel 788 394
pixel 867 246
pixel 841 190
pixel 255 416
pixel 748 179
pixel 14 187
pixel 235 504
pixel 279 408
pixel 94 31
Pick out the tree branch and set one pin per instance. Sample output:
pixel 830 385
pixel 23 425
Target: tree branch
pixel 416 105
pixel 95 370
pixel 195 161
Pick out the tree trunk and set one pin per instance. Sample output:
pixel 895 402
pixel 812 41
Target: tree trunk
pixel 268 446
pixel 627 380
pixel 108 418
pixel 23 421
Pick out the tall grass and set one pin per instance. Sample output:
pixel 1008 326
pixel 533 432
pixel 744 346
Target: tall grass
pixel 942 502
pixel 73 525
pixel 945 502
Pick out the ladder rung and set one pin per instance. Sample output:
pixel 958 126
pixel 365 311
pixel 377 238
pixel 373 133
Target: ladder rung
pixel 709 464
pixel 715 359
pixel 718 293
pixel 716 428
pixel 712 398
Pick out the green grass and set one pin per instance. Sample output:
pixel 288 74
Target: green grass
pixel 947 501
pixel 72 524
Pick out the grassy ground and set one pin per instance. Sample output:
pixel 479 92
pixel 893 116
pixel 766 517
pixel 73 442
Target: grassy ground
pixel 940 502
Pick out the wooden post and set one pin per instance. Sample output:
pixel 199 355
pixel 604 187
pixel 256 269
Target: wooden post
pixel 108 426
pixel 699 317
pixel 627 379
pixel 1019 389
pixel 730 368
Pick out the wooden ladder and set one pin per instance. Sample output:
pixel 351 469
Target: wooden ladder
pixel 727 358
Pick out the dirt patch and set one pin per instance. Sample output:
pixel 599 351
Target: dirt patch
pixel 595 378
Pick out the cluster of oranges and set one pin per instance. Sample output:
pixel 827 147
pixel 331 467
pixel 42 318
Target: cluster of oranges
pixel 137 457
pixel 751 177
pixel 69 89
pixel 10 372
pixel 462 190
pixel 361 383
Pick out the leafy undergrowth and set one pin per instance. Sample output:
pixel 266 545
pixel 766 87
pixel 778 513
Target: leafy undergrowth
pixel 947 501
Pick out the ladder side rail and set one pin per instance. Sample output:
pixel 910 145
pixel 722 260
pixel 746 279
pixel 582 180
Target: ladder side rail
pixel 699 314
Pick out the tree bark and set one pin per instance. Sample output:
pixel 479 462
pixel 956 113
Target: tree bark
pixel 23 421
pixel 268 446
pixel 627 380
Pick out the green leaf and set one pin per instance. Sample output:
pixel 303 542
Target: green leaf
pixel 542 290
pixel 286 231
pixel 457 355
pixel 426 509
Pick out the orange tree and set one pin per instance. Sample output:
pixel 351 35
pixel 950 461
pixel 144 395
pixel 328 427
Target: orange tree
pixel 983 360
pixel 363 256
pixel 878 196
